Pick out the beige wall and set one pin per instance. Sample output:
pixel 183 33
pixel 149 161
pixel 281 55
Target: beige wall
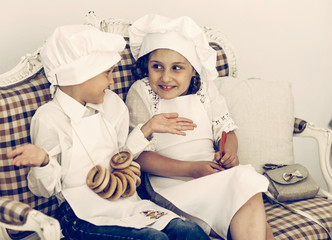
pixel 275 40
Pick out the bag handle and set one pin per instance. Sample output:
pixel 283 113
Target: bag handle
pixel 300 212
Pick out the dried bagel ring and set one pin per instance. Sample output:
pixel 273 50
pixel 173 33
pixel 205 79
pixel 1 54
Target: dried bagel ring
pixel 131 188
pixel 118 192
pixel 104 183
pixel 121 160
pixel 95 176
pixel 110 188
pixel 135 170
pixel 123 179
pixel 135 164
pixel 128 172
pixel 138 181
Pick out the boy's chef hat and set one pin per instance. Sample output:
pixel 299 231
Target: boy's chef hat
pixel 182 34
pixel 76 53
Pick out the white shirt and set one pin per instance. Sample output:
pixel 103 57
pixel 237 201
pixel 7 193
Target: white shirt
pixel 52 131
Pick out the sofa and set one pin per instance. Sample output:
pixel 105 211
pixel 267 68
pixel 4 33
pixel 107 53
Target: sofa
pixel 262 109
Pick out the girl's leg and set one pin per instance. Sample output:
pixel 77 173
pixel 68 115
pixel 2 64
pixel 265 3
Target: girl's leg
pixel 184 229
pixel 250 221
pixel 75 228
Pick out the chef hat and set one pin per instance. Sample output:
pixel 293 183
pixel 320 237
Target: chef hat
pixel 182 34
pixel 76 53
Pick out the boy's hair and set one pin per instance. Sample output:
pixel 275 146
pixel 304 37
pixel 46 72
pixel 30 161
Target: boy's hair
pixel 140 70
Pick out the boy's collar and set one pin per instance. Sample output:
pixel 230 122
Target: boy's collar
pixel 72 108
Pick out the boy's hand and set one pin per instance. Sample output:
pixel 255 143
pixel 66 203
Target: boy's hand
pixel 29 155
pixel 167 123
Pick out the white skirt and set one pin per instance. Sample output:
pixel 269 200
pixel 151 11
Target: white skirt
pixel 214 198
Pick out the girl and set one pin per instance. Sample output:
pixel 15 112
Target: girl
pixel 178 68
pixel 80 130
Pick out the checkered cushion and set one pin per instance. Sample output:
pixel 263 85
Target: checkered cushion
pixel 13 212
pixel 288 225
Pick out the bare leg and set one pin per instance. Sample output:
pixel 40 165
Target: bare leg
pixel 249 222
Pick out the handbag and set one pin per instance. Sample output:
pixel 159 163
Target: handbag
pixel 290 182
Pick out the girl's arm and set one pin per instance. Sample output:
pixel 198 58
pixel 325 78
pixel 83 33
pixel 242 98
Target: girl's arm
pixel 157 164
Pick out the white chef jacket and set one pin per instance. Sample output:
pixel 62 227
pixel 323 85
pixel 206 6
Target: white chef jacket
pixel 52 129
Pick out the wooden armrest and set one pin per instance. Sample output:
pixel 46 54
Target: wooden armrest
pixel 19 216
pixel 324 140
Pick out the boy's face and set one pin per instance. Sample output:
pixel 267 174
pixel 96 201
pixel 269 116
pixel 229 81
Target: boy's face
pixel 169 73
pixel 93 90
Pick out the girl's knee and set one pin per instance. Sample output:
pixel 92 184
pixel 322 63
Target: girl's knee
pixel 185 229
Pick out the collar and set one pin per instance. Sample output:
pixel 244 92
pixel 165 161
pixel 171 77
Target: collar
pixel 72 108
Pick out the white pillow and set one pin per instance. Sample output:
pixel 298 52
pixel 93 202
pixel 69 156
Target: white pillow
pixel 264 112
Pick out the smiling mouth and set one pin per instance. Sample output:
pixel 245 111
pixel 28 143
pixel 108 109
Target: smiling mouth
pixel 166 88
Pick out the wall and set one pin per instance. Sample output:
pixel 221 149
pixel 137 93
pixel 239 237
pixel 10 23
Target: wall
pixel 275 40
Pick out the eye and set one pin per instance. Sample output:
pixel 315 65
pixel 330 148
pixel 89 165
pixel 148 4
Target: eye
pixel 156 66
pixel 176 67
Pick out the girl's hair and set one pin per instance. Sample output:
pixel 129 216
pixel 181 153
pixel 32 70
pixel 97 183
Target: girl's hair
pixel 140 71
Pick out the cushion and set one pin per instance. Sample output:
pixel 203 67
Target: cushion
pixel 263 111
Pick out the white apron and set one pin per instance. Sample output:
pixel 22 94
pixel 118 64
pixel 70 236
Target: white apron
pixel 214 198
pixel 86 204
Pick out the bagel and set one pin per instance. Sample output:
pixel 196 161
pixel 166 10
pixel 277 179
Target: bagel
pixel 127 171
pixel 131 187
pixel 136 164
pixel 110 188
pixel 138 181
pixel 135 170
pixel 118 192
pixel 104 183
pixel 121 160
pixel 95 176
pixel 123 179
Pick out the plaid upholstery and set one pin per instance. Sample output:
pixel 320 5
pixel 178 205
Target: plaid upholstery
pixel 17 106
pixel 287 225
pixel 13 212
pixel 299 125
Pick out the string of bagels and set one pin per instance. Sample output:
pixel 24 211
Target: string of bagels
pixel 122 182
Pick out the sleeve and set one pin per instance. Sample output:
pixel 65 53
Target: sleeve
pixel 221 119
pixel 45 181
pixel 139 110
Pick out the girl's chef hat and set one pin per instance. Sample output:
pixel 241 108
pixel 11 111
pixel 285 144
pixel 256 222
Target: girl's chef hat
pixel 76 53
pixel 182 34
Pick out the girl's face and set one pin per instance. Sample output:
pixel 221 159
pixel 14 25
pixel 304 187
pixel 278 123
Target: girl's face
pixel 169 73
pixel 93 90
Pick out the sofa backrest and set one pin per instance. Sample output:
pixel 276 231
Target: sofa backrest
pixel 25 88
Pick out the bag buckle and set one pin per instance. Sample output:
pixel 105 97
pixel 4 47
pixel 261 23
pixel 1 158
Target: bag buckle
pixel 288 176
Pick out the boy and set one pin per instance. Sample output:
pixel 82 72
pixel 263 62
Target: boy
pixel 84 126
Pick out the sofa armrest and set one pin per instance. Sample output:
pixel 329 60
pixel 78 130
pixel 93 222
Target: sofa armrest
pixel 324 140
pixel 19 216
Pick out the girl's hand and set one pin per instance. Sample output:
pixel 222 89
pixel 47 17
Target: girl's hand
pixel 167 123
pixel 229 160
pixel 29 155
pixel 203 168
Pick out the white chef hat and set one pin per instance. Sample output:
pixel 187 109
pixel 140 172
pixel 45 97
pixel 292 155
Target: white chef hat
pixel 75 53
pixel 182 34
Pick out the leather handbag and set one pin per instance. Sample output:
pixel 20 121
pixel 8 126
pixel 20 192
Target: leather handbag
pixel 290 182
